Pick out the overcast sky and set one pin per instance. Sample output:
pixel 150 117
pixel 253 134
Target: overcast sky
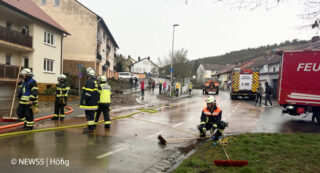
pixel 144 27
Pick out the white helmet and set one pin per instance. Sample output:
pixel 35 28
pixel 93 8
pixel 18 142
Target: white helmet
pixel 90 71
pixel 102 78
pixel 62 76
pixel 26 71
pixel 211 99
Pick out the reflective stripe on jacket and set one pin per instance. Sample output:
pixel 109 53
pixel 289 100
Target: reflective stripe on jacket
pixel 62 89
pixel 90 95
pixel 28 91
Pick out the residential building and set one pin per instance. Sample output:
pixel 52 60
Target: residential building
pixel 224 76
pixel 91 42
pixel 145 65
pixel 29 38
pixel 206 71
pixel 126 64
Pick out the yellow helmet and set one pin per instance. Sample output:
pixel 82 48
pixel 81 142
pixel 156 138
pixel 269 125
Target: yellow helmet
pixel 211 99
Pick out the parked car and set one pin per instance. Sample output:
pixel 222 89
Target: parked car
pixel 127 75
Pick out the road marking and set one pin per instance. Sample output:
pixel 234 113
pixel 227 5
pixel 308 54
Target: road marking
pixel 151 136
pixel 111 152
pixel 177 124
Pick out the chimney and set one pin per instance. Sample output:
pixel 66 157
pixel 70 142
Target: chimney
pixel 149 58
pixel 139 58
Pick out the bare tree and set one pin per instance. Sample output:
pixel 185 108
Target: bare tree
pixel 311 7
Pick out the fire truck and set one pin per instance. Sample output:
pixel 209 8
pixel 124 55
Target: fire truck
pixel 299 83
pixel 211 87
pixel 244 83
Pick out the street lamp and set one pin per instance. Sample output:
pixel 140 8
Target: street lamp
pixel 171 69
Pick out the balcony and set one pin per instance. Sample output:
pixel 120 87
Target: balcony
pixel 99 38
pixel 15 40
pixel 99 57
pixel 9 73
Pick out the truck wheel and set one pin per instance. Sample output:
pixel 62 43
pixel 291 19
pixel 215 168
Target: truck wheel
pixel 317 117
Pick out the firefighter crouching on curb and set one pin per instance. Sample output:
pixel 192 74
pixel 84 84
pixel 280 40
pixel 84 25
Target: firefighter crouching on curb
pixel 211 120
pixel 28 99
pixel 104 102
pixel 89 99
pixel 62 90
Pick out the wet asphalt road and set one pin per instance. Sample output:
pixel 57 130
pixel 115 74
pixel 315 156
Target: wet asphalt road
pixel 131 144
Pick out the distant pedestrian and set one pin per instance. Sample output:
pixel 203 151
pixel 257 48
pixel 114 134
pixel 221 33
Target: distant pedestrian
pixel 190 88
pixel 268 94
pixel 142 87
pixel 153 85
pixel 259 94
pixel 164 87
pixel 131 83
pixel 149 83
pixel 177 88
pixel 135 83
pixel 160 88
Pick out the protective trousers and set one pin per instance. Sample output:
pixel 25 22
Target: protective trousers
pixel 25 114
pixel 210 126
pixel 90 118
pixel 104 108
pixel 59 107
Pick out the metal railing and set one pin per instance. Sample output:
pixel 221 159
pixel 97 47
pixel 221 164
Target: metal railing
pixel 9 71
pixel 99 57
pixel 15 37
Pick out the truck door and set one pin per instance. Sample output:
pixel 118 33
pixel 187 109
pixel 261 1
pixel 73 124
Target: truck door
pixel 245 82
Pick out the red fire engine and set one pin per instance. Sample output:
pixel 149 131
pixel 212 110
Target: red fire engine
pixel 299 83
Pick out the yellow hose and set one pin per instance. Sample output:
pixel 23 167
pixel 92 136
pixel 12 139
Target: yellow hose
pixel 149 110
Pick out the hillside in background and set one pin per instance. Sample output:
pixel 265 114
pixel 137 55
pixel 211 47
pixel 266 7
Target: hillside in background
pixel 240 56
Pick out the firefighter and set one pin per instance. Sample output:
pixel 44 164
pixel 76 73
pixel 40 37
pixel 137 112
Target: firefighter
pixel 28 99
pixel 211 120
pixel 104 102
pixel 89 99
pixel 62 90
pixel 190 88
pixel 177 88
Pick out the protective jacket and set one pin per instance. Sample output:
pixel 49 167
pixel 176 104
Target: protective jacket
pixel 28 91
pixel 90 95
pixel 105 93
pixel 211 117
pixel 62 89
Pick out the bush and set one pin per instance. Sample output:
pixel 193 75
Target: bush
pixel 49 91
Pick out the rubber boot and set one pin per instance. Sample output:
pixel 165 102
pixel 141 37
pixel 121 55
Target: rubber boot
pixel 88 130
pixel 55 117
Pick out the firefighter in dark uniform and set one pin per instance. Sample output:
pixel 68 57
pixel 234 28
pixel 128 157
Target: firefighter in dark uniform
pixel 211 120
pixel 28 99
pixel 89 99
pixel 62 90
pixel 104 102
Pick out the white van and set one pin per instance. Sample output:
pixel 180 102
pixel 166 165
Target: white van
pixel 127 75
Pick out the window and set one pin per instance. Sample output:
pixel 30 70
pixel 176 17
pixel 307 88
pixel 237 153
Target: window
pixel 8 25
pixel 48 38
pixel 48 65
pixel 57 2
pixel 8 59
pixel 26 62
pixel 43 2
